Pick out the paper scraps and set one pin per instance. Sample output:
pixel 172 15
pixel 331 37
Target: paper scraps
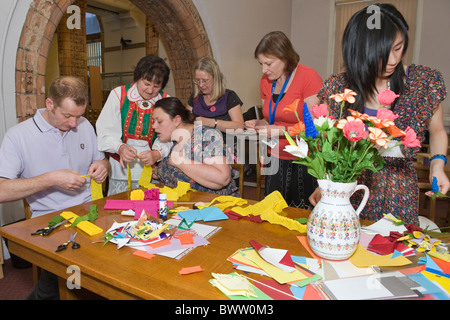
pixel 96 190
pixel 190 270
pixel 233 285
pixel 84 223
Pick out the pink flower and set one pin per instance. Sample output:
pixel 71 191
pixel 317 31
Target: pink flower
pixel 355 130
pixel 319 111
pixel 387 97
pixel 386 114
pixel 410 138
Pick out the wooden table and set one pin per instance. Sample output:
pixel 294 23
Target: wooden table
pixel 118 274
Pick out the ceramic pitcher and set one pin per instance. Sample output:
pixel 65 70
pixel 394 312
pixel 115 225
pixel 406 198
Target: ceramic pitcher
pixel 333 228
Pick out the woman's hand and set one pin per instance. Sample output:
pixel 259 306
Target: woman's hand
pixel 127 154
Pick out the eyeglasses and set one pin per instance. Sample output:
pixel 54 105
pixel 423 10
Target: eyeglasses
pixel 202 81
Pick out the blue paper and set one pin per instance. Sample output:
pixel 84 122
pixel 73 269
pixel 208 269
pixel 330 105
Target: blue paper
pixel 205 214
pixel 432 265
pixel 396 254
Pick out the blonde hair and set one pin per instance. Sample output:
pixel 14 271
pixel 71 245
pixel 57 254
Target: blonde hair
pixel 210 66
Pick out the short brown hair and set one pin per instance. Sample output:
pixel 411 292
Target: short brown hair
pixel 68 87
pixel 277 44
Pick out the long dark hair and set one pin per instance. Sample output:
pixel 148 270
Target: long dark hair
pixel 173 107
pixel 366 51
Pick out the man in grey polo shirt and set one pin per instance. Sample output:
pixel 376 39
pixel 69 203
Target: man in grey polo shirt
pixel 44 158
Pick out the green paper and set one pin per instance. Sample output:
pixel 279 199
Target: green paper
pixel 55 220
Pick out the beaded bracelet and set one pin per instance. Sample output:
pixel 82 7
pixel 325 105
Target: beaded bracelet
pixel 439 156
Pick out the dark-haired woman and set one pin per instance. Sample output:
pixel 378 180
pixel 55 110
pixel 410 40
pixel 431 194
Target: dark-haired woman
pixel 124 127
pixel 197 155
pixel 284 80
pixel 373 62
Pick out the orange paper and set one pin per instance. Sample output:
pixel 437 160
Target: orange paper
pixel 304 241
pixel 159 244
pixel 143 254
pixel 186 239
pixel 190 270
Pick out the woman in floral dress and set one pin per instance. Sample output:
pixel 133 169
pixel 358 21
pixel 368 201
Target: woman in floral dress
pixel 394 189
pixel 197 155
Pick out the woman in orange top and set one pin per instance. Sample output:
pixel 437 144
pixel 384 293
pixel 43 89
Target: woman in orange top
pixel 284 80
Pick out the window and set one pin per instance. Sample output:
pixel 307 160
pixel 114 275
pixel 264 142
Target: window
pixel 94 41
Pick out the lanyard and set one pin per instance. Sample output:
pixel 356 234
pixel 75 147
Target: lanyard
pixel 272 112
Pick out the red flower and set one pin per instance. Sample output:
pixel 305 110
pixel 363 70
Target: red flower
pixel 355 130
pixel 410 138
pixel 386 97
pixel 320 110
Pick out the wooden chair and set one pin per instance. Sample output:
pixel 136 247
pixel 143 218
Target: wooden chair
pixel 1 259
pixel 240 168
pixel 423 173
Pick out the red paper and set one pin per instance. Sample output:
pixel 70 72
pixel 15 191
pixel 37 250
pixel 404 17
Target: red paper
pixel 161 243
pixel 270 288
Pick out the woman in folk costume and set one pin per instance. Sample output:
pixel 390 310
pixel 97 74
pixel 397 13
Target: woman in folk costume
pixel 125 125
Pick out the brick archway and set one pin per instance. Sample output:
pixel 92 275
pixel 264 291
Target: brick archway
pixel 177 21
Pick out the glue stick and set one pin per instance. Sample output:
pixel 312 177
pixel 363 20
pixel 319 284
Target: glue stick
pixel 163 206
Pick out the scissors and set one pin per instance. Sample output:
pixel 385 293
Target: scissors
pixel 63 246
pixel 48 230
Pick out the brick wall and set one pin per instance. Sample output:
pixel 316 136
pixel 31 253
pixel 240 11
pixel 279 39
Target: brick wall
pixel 177 22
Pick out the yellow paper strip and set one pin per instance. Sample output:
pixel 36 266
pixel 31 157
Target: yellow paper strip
pixel 146 177
pixel 86 226
pixel 96 190
pixel 129 177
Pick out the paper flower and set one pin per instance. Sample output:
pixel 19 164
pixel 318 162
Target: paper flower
pixel 435 189
pixel 379 137
pixel 300 150
pixel 410 138
pixel 341 149
pixel 355 130
pixel 297 128
pixel 310 127
pixel 424 242
pixel 348 96
pixel 387 97
pixel 319 111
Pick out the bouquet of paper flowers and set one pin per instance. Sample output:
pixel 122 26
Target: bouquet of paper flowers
pixel 340 149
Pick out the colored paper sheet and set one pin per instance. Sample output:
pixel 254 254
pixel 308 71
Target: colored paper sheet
pixel 304 241
pixel 190 270
pixel 205 214
pixel 444 282
pixel 143 254
pixel 278 257
pixel 159 244
pixel 186 239
pixel 363 259
pixel 233 284
pixel 275 290
pixel 276 273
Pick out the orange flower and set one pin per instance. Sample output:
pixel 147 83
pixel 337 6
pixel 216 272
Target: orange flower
pixel 292 107
pixel 358 115
pixel 348 96
pixel 379 137
pixel 381 123
pixel 341 124
pixel 396 132
pixel 296 129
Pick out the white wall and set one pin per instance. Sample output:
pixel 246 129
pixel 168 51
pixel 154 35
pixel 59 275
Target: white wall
pixel 235 28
